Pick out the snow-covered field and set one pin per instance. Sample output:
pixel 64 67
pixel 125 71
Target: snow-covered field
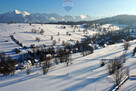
pixel 22 32
pixel 85 74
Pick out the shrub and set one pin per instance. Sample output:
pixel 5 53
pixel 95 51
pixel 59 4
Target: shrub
pixel 7 66
pixel 6 41
pixel 126 45
pixel 51 37
pixel 124 57
pixel 56 61
pixel 102 63
pixel 42 32
pixel 118 76
pixel 27 69
pixel 68 59
pixel 37 39
pixel 46 65
pixel 16 50
pixel 54 42
pixel 114 65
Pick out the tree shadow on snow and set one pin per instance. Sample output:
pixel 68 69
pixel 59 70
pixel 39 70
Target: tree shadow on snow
pixel 84 83
pixel 19 80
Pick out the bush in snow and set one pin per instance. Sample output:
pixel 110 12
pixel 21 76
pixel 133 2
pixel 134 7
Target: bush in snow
pixel 120 74
pixel 30 24
pixel 68 59
pixel 32 46
pixel 59 39
pixel 7 66
pixel 126 45
pixel 37 39
pixel 16 50
pixel 51 37
pixel 114 65
pixel 67 33
pixel 102 62
pixel 64 56
pixel 58 33
pixel 127 71
pixel 63 42
pixel 46 65
pixel 6 41
pixel 28 68
pixel 54 42
pixel 64 27
pixel 124 57
pixel 134 51
pixel 56 61
pixel 42 32
pixel 83 53
pixel 28 71
pixel 78 45
pixel 33 30
pixel 60 55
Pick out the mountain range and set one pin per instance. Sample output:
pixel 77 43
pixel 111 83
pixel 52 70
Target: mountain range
pixel 25 17
pixel 119 19
pixel 22 17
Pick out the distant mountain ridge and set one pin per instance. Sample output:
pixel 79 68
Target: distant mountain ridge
pixel 119 19
pixel 22 17
pixel 25 17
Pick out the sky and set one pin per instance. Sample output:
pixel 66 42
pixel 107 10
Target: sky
pixel 96 8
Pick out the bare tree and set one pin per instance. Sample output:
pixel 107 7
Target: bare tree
pixel 114 65
pixel 56 61
pixel 126 45
pixel 127 71
pixel 7 65
pixel 27 70
pixel 54 42
pixel 59 39
pixel 68 59
pixel 102 62
pixel 51 37
pixel 118 76
pixel 58 33
pixel 46 65
pixel 124 57
pixel 37 39
pixel 42 32
pixel 134 51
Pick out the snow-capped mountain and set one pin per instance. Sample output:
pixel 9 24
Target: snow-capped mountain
pixel 14 16
pixel 23 16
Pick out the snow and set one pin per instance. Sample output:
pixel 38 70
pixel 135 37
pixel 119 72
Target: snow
pixel 22 32
pixel 85 74
pixel 17 12
pixel 25 13
pixel 83 17
pixel 130 85
pixel 110 26
pixel 52 18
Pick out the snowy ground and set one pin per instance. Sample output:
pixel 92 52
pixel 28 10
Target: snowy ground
pixel 22 32
pixel 85 74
